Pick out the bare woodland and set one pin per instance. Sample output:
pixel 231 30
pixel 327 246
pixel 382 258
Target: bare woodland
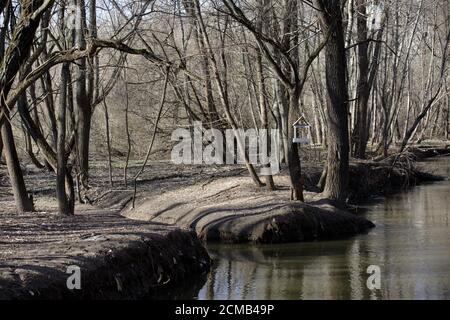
pixel 84 81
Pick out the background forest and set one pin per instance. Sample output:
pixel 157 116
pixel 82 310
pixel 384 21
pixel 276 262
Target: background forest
pixel 108 81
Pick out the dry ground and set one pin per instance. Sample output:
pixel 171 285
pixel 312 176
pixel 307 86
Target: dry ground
pixel 36 248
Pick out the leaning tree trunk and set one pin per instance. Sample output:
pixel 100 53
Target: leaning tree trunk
pixel 29 150
pixel 28 144
pixel 23 202
pixel 12 60
pixel 336 186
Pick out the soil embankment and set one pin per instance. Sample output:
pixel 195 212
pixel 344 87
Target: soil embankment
pixel 118 258
pixel 232 210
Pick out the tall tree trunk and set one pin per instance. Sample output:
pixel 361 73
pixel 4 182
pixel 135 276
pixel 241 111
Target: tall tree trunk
pixel 82 100
pixel 127 129
pixel 64 191
pixel 361 130
pixel 262 19
pixel 263 115
pixel 108 144
pixel 336 186
pixel 283 104
pixel 295 172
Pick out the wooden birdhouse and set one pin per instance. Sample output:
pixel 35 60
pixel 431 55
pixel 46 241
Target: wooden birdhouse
pixel 301 131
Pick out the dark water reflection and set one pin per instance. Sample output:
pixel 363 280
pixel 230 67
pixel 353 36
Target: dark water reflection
pixel 411 245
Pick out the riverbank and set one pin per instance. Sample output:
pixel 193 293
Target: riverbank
pixel 233 210
pixel 159 247
pixel 396 173
pixel 118 258
pixel 410 244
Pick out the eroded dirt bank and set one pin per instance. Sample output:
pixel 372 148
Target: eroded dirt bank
pixel 231 209
pixel 118 258
pixel 370 178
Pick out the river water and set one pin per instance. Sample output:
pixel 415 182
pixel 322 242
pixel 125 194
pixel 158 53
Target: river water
pixel 410 245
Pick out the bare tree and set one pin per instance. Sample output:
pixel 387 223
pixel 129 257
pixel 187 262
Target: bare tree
pixel 292 78
pixel 336 186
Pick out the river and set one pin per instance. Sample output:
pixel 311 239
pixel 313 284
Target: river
pixel 410 245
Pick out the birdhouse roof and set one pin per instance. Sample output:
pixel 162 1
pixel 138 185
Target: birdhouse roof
pixel 301 122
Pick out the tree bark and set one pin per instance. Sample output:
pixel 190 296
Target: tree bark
pixel 12 60
pixel 1 149
pixel 82 100
pixel 23 202
pixel 28 144
pixel 262 19
pixel 64 191
pixel 295 172
pixel 360 135
pixel 336 186
pixel 127 130
pixel 108 144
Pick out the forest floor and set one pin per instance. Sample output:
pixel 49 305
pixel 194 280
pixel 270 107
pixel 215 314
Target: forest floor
pixel 114 253
pixel 218 203
pixel 118 258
